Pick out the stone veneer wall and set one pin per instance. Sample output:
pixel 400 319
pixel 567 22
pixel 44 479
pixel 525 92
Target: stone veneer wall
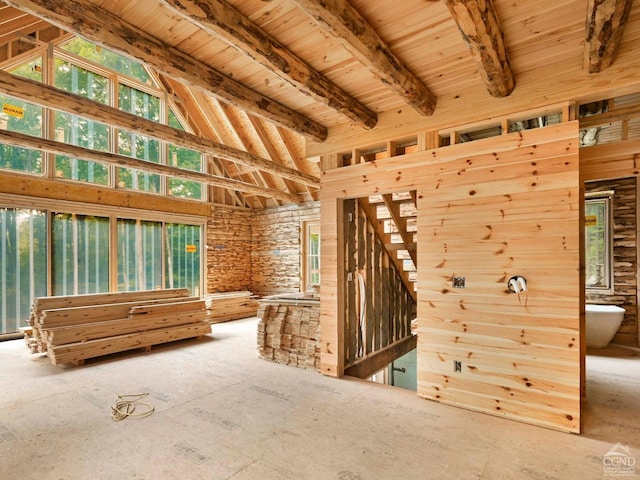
pixel 276 235
pixel 228 250
pixel 624 255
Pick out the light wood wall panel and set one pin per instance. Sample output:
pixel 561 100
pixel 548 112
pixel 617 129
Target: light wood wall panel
pixel 487 210
pixel 488 219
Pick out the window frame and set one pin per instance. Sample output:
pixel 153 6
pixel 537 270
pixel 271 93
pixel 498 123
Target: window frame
pixel 305 278
pixel 115 79
pixel 607 198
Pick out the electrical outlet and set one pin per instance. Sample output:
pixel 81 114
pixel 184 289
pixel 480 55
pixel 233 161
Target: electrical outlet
pixel 457 366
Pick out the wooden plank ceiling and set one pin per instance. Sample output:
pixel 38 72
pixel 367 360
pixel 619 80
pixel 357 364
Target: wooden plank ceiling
pixel 264 76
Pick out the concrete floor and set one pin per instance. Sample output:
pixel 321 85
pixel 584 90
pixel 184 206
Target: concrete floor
pixel 223 413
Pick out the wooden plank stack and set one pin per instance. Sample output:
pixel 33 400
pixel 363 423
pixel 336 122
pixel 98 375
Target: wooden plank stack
pixel 222 307
pixel 74 328
pixel 289 334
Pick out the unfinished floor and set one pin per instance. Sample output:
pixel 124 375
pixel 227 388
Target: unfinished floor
pixel 220 412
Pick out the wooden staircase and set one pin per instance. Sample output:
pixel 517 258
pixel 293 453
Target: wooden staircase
pixel 380 284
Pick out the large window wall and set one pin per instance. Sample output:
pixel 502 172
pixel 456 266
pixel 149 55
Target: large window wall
pixel 23 263
pixel 49 252
pixel 82 68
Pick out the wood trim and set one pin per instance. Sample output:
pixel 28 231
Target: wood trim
pixel 106 29
pixel 357 35
pixel 617 115
pixel 220 19
pixel 606 20
pixel 480 28
pixel 376 361
pixel 50 97
pixel 57 190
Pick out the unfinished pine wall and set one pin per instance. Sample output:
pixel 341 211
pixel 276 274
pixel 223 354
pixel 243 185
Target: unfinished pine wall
pixel 228 250
pixel 489 209
pixel 487 218
pixel 276 246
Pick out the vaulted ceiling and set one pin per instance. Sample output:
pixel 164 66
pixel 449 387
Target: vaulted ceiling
pixel 267 76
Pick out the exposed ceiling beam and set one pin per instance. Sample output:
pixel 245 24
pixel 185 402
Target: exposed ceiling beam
pixel 102 27
pixel 480 28
pixel 59 148
pixel 260 130
pixel 218 18
pixel 606 20
pixel 344 23
pixel 196 117
pixel 240 124
pixel 47 96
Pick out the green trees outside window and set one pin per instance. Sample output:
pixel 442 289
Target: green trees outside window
pixel 139 255
pixel 182 253
pixel 85 69
pixel 80 254
pixel 183 158
pixel 108 59
pixel 79 131
pixel 23 264
pixel 30 123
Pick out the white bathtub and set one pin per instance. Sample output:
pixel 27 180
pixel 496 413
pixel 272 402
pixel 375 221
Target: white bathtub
pixel 602 323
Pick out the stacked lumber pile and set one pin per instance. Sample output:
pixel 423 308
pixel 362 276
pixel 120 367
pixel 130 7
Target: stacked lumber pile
pixel 222 307
pixel 74 328
pixel 290 334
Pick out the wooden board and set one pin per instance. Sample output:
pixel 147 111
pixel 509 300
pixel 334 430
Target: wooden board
pixel 76 352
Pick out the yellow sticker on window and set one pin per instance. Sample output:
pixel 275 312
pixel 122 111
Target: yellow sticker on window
pixel 13 110
pixel 191 249
pixel 590 220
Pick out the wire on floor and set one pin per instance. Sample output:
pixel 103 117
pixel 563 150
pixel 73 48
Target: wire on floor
pixel 126 406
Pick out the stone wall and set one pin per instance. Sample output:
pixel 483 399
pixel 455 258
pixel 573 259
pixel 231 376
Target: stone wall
pixel 228 250
pixel 276 247
pixel 624 255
